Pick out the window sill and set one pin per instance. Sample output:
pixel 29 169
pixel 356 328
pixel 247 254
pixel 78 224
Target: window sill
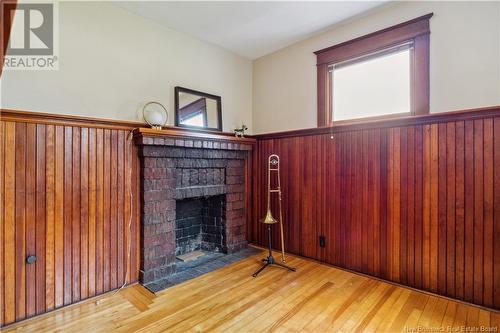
pixel 368 119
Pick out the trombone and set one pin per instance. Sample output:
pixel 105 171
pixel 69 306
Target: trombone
pixel 274 166
pixel 269 220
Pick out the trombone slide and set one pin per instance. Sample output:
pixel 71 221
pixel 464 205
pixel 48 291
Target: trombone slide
pixel 274 165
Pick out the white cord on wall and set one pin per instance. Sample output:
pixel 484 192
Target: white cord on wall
pixel 129 242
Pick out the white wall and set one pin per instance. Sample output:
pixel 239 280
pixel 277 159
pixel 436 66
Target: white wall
pixel 464 68
pixel 112 61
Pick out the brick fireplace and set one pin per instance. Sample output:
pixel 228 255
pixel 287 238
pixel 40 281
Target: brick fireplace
pixel 192 196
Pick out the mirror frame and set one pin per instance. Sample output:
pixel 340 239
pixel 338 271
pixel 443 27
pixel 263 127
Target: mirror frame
pixel 218 99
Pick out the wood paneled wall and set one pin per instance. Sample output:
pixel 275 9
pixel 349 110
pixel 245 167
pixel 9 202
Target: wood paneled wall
pixel 414 201
pixel 69 196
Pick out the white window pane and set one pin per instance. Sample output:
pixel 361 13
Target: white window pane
pixel 194 121
pixel 379 86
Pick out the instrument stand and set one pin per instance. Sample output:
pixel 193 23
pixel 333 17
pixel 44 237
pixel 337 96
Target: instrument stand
pixel 270 259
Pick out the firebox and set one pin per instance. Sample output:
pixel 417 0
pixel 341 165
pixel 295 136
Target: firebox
pixel 200 224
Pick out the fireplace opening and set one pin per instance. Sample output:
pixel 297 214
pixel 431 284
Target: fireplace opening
pixel 200 226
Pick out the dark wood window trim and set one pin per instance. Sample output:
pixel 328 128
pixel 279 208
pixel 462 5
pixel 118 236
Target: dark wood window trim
pixel 415 31
pixel 7 9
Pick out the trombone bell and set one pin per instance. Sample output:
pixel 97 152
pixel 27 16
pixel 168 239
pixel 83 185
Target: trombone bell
pixel 269 219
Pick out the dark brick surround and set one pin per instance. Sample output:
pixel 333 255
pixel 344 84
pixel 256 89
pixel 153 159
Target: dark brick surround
pixel 177 169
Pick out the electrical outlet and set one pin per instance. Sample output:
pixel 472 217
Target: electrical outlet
pixel 322 241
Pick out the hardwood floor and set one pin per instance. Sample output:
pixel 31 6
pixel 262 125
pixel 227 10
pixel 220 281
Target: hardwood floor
pixel 316 298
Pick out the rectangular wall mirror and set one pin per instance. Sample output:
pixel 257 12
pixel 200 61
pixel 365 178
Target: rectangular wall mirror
pixel 196 109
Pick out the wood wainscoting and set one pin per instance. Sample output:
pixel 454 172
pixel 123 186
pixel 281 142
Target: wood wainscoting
pixel 412 200
pixel 69 196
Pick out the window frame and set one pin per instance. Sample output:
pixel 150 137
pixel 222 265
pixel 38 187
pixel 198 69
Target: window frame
pixel 415 31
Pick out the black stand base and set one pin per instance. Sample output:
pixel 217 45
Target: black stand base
pixel 270 259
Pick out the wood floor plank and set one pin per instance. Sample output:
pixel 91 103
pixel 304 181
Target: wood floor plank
pixel 358 310
pixel 383 311
pixel 416 312
pixel 460 315
pixel 362 324
pixel 415 300
pixel 395 310
pixel 315 298
pixel 293 311
pixel 449 316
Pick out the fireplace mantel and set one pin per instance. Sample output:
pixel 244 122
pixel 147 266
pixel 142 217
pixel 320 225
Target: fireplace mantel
pixel 192 139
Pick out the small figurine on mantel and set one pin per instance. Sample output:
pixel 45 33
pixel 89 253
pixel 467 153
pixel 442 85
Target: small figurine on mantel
pixel 240 132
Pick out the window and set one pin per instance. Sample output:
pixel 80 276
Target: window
pixel 376 85
pixel 385 73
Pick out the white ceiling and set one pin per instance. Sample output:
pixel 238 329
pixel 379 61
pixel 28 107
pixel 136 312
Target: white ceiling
pixel 250 29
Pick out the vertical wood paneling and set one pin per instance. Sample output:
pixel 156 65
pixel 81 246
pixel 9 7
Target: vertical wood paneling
pixel 469 212
pixel 383 190
pixel 59 217
pixel 434 198
pixel 68 215
pixel 49 217
pixel 54 190
pixel 127 205
pixel 92 198
pixel 478 211
pixel 488 240
pixel 30 217
pixel 100 212
pixel 396 205
pixel 114 210
pixel 76 229
pixel 20 219
pixel 460 210
pixel 496 213
pixel 417 205
pixel 390 208
pixel 136 209
pixel 375 194
pixel 410 205
pixel 40 218
pixel 10 223
pixel 450 209
pixel 295 200
pixel 84 212
pixel 107 204
pixel 121 245
pixel 418 215
pixel 426 216
pixel 441 203
pixel 367 234
pixel 405 224
pixel 334 232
